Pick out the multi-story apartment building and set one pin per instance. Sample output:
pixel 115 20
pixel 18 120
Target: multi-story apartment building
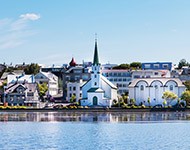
pixel 74 75
pixel 120 78
pixel 74 89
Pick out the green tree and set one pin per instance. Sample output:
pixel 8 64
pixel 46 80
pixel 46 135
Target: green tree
pixel 135 65
pixel 122 66
pixel 187 84
pixel 42 89
pixel 32 69
pixel 169 96
pixel 186 96
pixel 125 98
pixel 73 98
pixel 132 101
pixel 182 63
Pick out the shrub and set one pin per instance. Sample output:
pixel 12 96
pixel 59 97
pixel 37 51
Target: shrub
pixel 80 107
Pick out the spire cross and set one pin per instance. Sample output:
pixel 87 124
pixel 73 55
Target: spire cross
pixel 95 36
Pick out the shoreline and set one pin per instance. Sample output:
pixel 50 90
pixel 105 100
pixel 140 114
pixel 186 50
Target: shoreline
pixel 96 110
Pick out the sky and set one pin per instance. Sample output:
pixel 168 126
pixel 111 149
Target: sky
pixel 53 31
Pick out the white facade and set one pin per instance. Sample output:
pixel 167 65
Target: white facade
pixel 98 91
pixel 74 88
pixel 153 88
pixel 50 79
pixel 150 74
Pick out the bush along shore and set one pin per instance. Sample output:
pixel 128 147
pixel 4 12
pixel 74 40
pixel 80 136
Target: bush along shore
pixel 76 107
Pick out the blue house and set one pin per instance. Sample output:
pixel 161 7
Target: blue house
pixel 157 66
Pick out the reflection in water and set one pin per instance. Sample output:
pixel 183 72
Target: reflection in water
pixel 93 117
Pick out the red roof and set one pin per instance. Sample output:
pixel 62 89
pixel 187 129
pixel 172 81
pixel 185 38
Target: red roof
pixel 72 63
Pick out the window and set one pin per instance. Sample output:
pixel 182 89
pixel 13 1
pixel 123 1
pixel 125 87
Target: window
pixel 70 88
pixel 171 87
pixel 95 83
pixel 115 74
pixel 74 88
pixel 94 76
pixel 156 66
pixel 115 79
pixel 156 73
pixel 142 88
pixel 136 76
pixel 165 66
pixel 147 66
pixel 156 86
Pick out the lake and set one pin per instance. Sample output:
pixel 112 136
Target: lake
pixel 96 131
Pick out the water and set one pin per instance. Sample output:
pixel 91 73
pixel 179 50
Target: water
pixel 96 131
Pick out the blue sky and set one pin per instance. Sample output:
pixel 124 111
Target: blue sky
pixel 51 32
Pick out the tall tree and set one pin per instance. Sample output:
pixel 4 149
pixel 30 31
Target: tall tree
pixel 122 66
pixel 135 65
pixel 32 69
pixel 182 63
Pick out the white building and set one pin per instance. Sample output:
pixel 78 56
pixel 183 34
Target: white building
pixel 153 88
pixel 74 88
pixel 98 91
pixel 50 79
pixel 150 74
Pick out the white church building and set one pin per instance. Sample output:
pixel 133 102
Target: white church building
pixel 98 91
pixel 153 88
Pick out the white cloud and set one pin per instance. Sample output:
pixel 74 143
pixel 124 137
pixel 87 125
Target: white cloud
pixel 14 33
pixel 30 16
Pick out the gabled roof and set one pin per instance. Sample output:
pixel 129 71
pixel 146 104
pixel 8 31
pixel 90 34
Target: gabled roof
pixel 48 75
pixel 108 82
pixel 29 87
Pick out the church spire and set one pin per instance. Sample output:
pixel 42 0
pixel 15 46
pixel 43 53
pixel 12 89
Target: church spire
pixel 96 58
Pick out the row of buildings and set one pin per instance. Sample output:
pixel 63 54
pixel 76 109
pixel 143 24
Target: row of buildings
pixel 95 84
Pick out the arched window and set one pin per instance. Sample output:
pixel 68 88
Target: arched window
pixel 171 88
pixel 142 88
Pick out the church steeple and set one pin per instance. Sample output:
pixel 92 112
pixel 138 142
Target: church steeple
pixel 96 58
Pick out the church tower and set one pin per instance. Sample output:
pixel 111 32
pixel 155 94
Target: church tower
pixel 96 69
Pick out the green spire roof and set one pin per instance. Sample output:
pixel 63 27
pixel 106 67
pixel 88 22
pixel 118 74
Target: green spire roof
pixel 96 59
